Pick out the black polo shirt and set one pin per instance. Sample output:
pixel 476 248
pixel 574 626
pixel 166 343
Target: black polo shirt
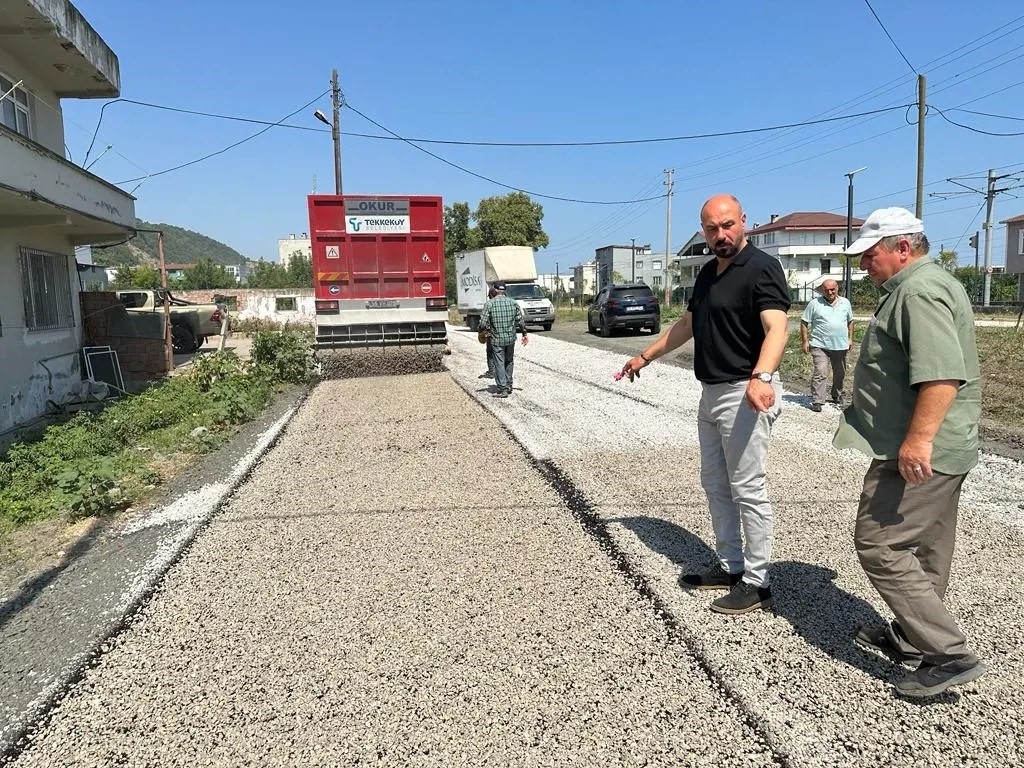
pixel 727 330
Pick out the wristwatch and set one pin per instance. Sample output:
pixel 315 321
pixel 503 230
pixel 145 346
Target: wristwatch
pixel 762 376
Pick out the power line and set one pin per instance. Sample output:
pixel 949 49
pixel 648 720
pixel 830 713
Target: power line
pixel 987 114
pixel 225 149
pixel 949 120
pixel 868 4
pixel 478 143
pixel 494 181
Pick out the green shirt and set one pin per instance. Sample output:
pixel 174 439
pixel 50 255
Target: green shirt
pixel 502 316
pixel 922 331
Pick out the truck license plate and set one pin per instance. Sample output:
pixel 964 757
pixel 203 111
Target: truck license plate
pixel 382 304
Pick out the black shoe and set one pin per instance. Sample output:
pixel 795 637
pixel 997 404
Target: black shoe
pixel 889 641
pixel 816 407
pixel 743 598
pixel 933 679
pixel 501 393
pixel 713 578
pixel 486 376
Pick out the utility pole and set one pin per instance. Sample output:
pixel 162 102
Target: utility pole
pixel 668 235
pixel 919 210
pixel 168 345
pixel 632 258
pixel 990 204
pixel 336 129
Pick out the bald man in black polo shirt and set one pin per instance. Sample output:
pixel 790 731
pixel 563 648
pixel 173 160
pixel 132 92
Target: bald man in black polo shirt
pixel 737 320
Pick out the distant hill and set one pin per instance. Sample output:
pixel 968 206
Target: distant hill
pixel 181 246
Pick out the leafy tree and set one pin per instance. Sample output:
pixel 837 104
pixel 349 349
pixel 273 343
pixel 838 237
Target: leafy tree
pixel 300 271
pixel 204 275
pixel 268 275
pixel 946 260
pixel 458 237
pixel 512 219
pixel 136 277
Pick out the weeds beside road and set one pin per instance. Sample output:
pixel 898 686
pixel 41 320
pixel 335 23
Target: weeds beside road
pixel 102 462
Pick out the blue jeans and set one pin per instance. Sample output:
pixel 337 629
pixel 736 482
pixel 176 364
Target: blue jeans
pixel 733 452
pixel 503 357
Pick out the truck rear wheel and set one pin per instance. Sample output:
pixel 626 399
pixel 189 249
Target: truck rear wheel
pixel 182 339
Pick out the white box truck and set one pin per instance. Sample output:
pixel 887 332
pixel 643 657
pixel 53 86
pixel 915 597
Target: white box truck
pixel 514 265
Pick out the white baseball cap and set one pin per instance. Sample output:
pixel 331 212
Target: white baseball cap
pixel 885 222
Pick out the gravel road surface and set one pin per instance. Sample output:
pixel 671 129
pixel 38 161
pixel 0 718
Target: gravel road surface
pixel 399 582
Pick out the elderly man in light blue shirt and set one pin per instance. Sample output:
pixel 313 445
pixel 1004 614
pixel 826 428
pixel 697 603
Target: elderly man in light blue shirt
pixel 827 332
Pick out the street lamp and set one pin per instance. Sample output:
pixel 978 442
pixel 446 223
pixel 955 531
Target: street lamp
pixel 847 269
pixel 632 258
pixel 335 128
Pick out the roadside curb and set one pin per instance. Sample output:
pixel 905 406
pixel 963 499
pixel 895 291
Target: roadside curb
pixel 201 511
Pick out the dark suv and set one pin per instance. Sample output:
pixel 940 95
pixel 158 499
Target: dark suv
pixel 632 306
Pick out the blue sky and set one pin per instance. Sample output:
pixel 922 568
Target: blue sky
pixel 536 71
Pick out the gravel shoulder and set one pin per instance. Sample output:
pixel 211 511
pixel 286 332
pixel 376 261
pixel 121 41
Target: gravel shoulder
pixel 397 588
pixel 423 574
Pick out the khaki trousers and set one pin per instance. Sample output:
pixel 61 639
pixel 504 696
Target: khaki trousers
pixel 904 537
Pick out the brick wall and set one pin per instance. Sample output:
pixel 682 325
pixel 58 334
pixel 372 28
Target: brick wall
pixel 138 339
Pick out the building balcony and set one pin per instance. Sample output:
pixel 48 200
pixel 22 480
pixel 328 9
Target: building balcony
pixel 66 52
pixel 39 188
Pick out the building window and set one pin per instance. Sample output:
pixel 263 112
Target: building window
pixel 286 304
pixel 656 265
pixel 1020 239
pixel 803 265
pixel 639 265
pixel 831 238
pixel 656 281
pixel 46 285
pixel 14 109
pixel 826 266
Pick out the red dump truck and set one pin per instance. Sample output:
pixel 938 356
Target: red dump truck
pixel 378 270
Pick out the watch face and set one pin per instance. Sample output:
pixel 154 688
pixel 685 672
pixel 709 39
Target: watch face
pixel 765 377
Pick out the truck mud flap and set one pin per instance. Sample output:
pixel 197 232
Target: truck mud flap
pixel 380 335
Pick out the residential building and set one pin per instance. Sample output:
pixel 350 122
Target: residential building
pixel 629 263
pixel 584 281
pixel 292 244
pixel 555 283
pixel 1015 250
pixel 48 205
pixel 809 244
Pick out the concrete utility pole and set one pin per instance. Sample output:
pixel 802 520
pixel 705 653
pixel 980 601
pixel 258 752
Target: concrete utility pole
pixel 668 236
pixel 990 205
pixel 336 129
pixel 632 259
pixel 847 267
pixel 919 210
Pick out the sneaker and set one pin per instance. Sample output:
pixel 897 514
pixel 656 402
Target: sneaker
pixel 713 578
pixel 743 598
pixel 889 641
pixel 933 679
pixel 816 407
pixel 486 376
pixel 501 394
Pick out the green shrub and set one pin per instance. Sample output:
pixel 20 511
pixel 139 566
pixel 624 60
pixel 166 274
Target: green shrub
pixel 287 355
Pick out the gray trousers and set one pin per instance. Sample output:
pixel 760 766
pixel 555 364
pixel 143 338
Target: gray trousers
pixel 489 352
pixel 503 356
pixel 905 535
pixel 822 359
pixel 733 452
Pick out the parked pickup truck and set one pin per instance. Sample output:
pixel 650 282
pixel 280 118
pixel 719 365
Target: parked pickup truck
pixel 190 323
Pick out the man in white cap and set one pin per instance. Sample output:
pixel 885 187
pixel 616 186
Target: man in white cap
pixel 915 410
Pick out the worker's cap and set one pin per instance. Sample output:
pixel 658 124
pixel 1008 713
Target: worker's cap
pixel 885 222
pixel 498 286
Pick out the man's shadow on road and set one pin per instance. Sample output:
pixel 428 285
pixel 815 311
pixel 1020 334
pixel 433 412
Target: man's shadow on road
pixel 805 595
